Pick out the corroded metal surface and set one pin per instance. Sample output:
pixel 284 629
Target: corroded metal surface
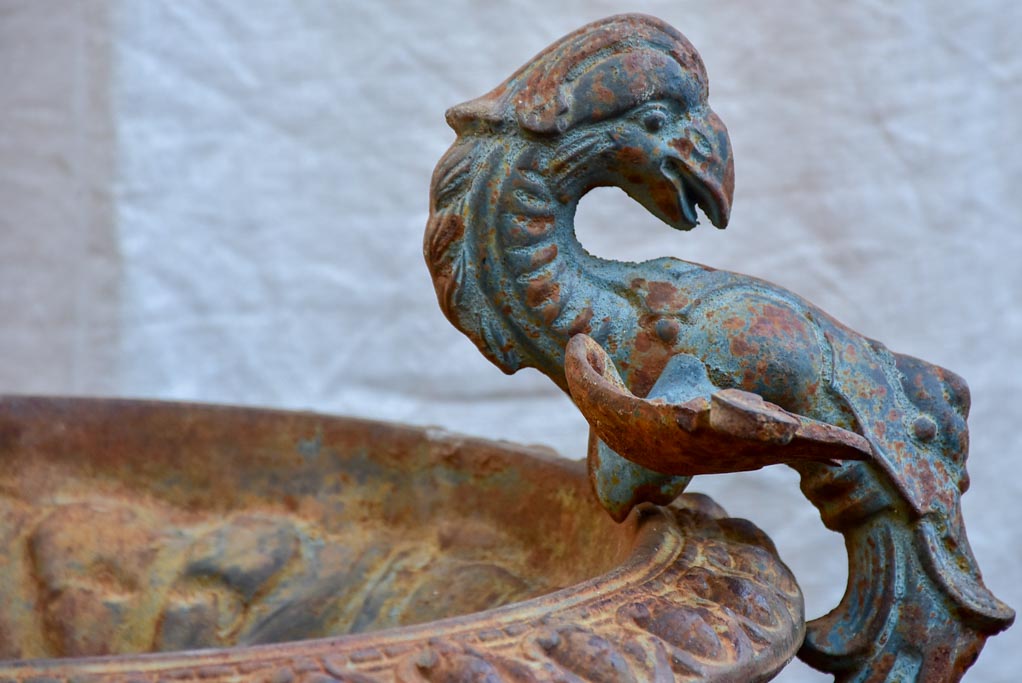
pixel 623 102
pixel 327 549
pixel 729 431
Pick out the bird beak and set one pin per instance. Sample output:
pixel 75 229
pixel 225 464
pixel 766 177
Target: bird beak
pixel 700 170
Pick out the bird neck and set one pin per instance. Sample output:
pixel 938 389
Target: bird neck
pixel 507 267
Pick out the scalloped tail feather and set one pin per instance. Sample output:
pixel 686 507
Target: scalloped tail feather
pixel 911 611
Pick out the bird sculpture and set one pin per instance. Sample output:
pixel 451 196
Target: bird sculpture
pixel 682 369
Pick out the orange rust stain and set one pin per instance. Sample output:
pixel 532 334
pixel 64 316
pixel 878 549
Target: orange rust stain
pixel 601 92
pixel 540 225
pixel 541 290
pixel 550 311
pixel 535 228
pixel 581 323
pixel 441 234
pixel 644 376
pixel 733 324
pixel 663 296
pixel 684 146
pixel 643 341
pixel 777 322
pixel 544 256
pixel 728 186
pixel 612 341
pixel 445 285
pixel 648 359
pixel 665 196
pixel 632 156
pixel 741 347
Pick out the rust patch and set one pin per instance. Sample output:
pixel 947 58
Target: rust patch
pixel 550 311
pixel 775 322
pixel 528 230
pixel 543 256
pixel 632 156
pixel 541 289
pixel 582 322
pixel 741 347
pixel 665 196
pixel 644 341
pixel 648 359
pixel 441 233
pixel 664 297
pixel 684 146
pixel 733 324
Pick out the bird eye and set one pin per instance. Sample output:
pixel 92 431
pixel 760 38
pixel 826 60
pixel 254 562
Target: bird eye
pixel 654 120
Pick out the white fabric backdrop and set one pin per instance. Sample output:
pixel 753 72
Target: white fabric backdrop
pixel 224 202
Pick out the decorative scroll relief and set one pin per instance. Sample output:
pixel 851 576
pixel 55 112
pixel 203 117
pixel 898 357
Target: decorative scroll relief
pixel 703 597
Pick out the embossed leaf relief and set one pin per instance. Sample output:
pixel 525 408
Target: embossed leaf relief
pixel 119 578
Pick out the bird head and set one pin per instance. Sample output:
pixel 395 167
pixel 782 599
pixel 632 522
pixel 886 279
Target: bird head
pixel 623 102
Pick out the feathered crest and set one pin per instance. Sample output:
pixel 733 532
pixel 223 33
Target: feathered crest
pixel 596 72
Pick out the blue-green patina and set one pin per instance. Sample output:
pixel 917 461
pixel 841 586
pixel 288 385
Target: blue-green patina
pixel 623 102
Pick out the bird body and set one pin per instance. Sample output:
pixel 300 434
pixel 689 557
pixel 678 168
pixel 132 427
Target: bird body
pixel 623 102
